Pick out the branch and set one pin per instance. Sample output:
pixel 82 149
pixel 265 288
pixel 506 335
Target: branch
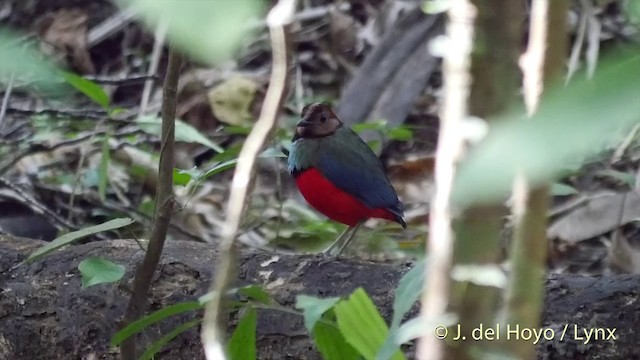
pixel 164 205
pixel 212 330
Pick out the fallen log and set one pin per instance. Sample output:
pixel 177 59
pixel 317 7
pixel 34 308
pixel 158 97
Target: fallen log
pixel 45 314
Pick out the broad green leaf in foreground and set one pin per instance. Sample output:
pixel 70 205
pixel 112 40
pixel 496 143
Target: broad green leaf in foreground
pixel 362 326
pixel 256 293
pixel 572 123
pixel 407 293
pixel 76 235
pixel 313 308
pixel 331 343
pixel 242 344
pixel 96 270
pixel 208 30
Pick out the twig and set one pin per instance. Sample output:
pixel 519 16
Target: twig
pixel 450 145
pixel 122 81
pixel 83 155
pixel 5 99
pixel 35 205
pixel 164 205
pixel 574 59
pixel 110 26
pixel 304 15
pixel 40 147
pixel 158 45
pixel 212 330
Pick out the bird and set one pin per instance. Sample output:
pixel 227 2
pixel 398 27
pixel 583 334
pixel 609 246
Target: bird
pixel 339 175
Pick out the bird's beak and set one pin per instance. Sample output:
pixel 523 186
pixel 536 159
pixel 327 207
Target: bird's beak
pixel 303 123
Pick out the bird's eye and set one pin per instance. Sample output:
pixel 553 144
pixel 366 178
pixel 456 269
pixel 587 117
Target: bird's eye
pixel 323 118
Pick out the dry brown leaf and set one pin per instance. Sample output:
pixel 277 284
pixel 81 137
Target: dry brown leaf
pixel 596 216
pixel 66 31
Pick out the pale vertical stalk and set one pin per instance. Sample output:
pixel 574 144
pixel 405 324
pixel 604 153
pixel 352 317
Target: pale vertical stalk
pixel 213 333
pixel 156 54
pixel 450 144
pixel 543 60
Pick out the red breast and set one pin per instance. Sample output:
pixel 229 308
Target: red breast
pixel 334 203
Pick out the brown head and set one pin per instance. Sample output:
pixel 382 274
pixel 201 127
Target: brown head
pixel 318 120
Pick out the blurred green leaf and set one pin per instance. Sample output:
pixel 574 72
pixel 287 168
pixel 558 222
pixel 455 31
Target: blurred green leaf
pixel 226 165
pixel 97 270
pixel 76 235
pixel 21 60
pixel 183 177
pixel 377 125
pixel 92 90
pixel 571 124
pixel 407 293
pixel 160 343
pixel 208 30
pixel 184 131
pixel 242 344
pixel 362 326
pixel 256 293
pixel 313 308
pixel 560 189
pixel 330 342
pixel 400 133
pixel 229 154
pixel 159 315
pixel 237 130
pixel 632 9
pixel 104 168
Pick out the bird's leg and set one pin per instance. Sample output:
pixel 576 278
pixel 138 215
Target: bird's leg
pixel 348 235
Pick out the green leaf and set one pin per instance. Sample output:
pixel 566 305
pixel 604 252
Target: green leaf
pixel 331 344
pixel 159 315
pixel 407 293
pixel 184 132
pixel 625 178
pixel 242 344
pixel 256 293
pixel 160 343
pixel 22 61
pixel 92 90
pixel 560 189
pixel 377 125
pixel 193 23
pixel 400 133
pixel 362 325
pixel 237 130
pixel 104 168
pixel 183 177
pixel 226 165
pixel 313 308
pixel 96 270
pixel 572 123
pixel 229 154
pixel 76 235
